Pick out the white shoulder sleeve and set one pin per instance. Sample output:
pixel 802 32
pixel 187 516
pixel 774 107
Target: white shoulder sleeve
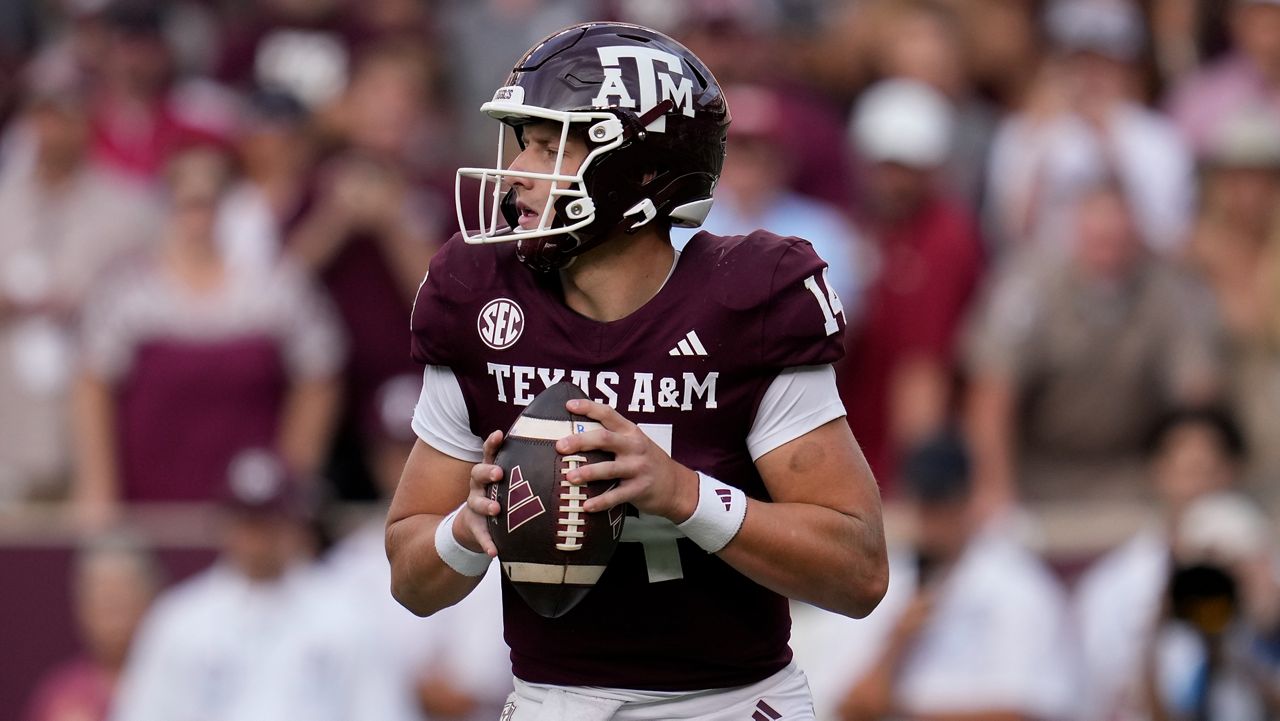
pixel 440 418
pixel 799 400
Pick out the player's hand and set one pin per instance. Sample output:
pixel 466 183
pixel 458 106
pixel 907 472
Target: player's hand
pixel 471 528
pixel 651 480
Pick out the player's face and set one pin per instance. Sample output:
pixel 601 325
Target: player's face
pixel 542 146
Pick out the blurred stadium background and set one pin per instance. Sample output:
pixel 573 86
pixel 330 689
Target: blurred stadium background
pixel 1053 225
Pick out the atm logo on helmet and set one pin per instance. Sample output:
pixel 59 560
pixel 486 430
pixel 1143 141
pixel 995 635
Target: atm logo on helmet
pixel 653 79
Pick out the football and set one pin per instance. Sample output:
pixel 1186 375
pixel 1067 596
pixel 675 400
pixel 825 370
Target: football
pixel 550 549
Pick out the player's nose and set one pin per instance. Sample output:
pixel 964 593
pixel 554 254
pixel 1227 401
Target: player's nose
pixel 519 165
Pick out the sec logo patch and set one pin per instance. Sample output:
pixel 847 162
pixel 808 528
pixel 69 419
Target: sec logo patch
pixel 500 323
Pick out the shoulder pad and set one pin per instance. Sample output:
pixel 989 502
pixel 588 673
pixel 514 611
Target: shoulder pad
pixel 782 283
pixel 458 274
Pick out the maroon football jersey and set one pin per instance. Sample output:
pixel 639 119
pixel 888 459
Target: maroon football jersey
pixel 690 367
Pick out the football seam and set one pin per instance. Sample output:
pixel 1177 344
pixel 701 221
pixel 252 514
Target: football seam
pixel 569 522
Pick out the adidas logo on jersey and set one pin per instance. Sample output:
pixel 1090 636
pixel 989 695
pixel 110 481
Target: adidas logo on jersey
pixel 689 345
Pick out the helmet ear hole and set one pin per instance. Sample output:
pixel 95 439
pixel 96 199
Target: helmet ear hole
pixel 579 209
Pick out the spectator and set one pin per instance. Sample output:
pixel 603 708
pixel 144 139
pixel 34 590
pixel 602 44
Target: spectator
pixel 187 360
pixel 275 148
pixel 754 192
pixel 369 235
pixel 897 377
pixel 379 21
pixel 745 42
pixel 923 41
pixel 1192 453
pixel 135 118
pixel 1082 124
pixel 1215 650
pixel 1186 33
pixel 471 30
pixel 65 219
pixel 114 580
pixel 299 47
pixel 1247 78
pixel 455 661
pixel 70 57
pixel 1236 249
pixel 256 636
pixel 1006 43
pixel 973 626
pixel 1073 359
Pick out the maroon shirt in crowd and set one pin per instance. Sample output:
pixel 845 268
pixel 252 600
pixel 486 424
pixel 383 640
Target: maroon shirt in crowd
pixel 198 376
pixel 188 407
pixel 929 269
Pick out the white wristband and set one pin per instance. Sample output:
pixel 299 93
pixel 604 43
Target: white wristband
pixel 719 515
pixel 455 555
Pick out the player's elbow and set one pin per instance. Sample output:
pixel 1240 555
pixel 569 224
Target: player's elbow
pixel 407 586
pixel 409 594
pixel 866 575
pixel 865 567
pixel 869 589
pixel 415 605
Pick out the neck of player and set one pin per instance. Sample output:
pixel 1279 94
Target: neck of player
pixel 617 277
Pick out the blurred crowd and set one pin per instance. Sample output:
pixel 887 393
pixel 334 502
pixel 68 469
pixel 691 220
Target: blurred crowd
pixel 1053 226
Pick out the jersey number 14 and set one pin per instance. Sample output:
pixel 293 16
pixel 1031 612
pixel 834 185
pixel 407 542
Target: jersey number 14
pixel 828 301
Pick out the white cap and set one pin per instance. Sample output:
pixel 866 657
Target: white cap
pixel 903 121
pixel 1224 527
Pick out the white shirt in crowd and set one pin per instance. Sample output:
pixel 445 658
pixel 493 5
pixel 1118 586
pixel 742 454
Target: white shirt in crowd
pixel 462 644
pixel 997 639
pixel 1039 167
pixel 1116 605
pixel 219 647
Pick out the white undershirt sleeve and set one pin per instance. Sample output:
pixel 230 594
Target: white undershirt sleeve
pixel 799 400
pixel 440 419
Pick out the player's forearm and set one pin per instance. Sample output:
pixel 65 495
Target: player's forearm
pixel 420 580
pixel 814 554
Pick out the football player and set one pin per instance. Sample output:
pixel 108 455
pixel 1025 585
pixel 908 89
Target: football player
pixel 709 371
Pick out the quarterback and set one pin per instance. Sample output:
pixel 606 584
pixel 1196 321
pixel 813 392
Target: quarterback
pixel 708 370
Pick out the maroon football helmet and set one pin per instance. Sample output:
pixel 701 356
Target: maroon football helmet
pixel 654 120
